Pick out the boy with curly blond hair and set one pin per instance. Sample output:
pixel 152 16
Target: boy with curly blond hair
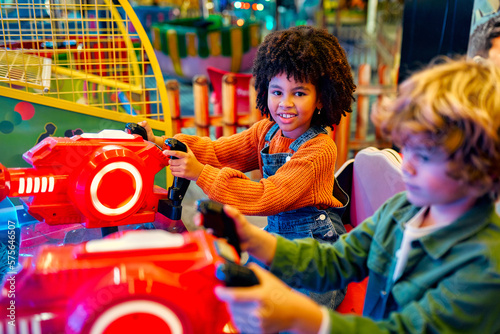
pixel 432 252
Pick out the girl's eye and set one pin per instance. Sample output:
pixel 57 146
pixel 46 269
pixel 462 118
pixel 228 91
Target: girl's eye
pixel 276 92
pixel 300 94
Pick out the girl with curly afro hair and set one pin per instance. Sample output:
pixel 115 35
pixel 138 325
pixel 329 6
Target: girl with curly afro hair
pixel 304 84
pixel 308 55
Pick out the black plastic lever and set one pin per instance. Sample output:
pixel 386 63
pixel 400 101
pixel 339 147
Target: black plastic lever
pixel 170 208
pixel 177 191
pixel 233 275
pixel 136 129
pixel 216 219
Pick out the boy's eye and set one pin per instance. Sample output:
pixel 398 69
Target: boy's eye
pixel 418 155
pixel 422 157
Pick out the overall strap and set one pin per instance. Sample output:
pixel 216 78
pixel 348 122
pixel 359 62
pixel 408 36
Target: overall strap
pixel 272 131
pixel 312 132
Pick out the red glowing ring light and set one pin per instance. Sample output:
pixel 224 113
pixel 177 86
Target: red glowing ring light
pixel 112 185
pixel 170 322
pixel 134 172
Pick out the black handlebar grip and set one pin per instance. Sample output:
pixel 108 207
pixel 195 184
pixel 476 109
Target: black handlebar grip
pixel 216 219
pixel 136 129
pixel 180 185
pixel 235 275
pixel 175 145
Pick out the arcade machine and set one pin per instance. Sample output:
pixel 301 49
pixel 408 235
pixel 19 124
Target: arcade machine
pixel 69 67
pixel 150 281
pixel 154 280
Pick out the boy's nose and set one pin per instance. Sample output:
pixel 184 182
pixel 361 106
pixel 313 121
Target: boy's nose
pixel 407 167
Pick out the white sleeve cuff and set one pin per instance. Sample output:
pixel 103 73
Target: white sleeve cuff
pixel 325 321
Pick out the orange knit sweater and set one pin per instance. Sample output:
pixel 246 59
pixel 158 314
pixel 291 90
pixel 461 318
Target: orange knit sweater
pixel 306 180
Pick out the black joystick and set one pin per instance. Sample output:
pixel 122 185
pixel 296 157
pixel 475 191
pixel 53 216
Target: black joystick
pixel 216 219
pixel 233 275
pixel 171 207
pixel 179 187
pixel 136 129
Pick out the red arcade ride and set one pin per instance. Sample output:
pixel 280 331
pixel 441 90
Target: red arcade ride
pixel 149 281
pixel 99 180
pixel 142 281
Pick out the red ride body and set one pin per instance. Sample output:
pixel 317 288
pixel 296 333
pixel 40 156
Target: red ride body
pixel 99 180
pixel 148 281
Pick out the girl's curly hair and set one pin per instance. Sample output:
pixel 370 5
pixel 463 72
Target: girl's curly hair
pixel 311 55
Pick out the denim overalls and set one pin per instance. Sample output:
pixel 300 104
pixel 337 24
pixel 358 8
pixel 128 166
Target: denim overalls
pixel 323 225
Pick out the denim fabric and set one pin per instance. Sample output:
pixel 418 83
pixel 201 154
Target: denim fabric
pixel 272 162
pixel 325 225
pixel 308 222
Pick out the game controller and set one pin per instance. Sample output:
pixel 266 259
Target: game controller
pixel 176 192
pixel 234 275
pixel 136 129
pixel 216 219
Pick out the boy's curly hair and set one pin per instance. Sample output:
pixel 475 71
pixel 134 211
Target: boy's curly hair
pixel 455 105
pixel 311 55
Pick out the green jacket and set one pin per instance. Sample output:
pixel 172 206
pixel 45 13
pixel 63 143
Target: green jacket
pixel 451 282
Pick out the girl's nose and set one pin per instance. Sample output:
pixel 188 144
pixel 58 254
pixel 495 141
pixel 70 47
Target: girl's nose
pixel 286 102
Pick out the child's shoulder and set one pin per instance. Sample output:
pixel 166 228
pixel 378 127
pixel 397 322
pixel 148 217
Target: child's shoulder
pixel 397 204
pixel 260 129
pixel 397 201
pixel 262 126
pixel 322 141
pixel 266 122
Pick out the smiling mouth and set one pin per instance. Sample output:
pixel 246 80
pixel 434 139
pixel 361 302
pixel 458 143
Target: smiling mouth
pixel 287 115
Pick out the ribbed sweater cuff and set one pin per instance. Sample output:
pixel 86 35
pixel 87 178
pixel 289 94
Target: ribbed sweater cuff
pixel 207 178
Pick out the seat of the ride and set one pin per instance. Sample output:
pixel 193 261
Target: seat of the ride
pixel 371 178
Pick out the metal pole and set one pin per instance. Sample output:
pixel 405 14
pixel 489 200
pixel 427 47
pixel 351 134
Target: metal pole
pixel 371 19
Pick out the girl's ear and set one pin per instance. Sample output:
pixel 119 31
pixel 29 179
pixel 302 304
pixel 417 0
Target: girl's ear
pixel 319 105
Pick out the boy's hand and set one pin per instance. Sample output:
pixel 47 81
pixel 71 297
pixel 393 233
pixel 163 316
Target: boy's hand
pixel 186 165
pixel 270 307
pixel 245 230
pixel 149 131
pixel 253 239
